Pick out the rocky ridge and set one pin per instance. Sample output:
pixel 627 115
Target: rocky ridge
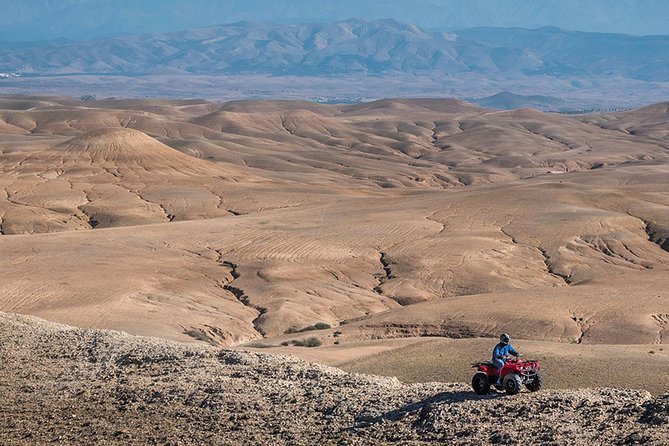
pixel 74 386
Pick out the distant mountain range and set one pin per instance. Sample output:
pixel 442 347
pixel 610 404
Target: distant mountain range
pixel 352 46
pixel 23 20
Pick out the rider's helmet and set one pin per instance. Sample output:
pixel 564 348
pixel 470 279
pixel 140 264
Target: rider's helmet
pixel 504 338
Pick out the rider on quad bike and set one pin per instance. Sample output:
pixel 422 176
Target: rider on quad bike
pixel 504 373
pixel 501 353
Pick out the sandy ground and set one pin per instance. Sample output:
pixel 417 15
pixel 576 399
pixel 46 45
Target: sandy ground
pixel 239 222
pixel 565 366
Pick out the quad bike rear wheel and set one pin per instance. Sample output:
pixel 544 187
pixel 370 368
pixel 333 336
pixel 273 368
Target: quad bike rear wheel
pixel 512 383
pixel 536 384
pixel 480 384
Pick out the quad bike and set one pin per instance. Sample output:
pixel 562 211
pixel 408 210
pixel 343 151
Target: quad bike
pixel 515 373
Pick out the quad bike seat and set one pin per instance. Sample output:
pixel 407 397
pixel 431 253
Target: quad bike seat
pixel 486 363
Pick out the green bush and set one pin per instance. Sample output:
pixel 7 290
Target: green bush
pixel 355 319
pixel 316 326
pixel 200 336
pixel 259 345
pixel 308 342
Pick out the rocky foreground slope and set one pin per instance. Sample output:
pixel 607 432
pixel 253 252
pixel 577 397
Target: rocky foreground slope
pixel 72 386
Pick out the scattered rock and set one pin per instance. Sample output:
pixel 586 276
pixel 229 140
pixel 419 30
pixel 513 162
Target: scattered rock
pixel 76 386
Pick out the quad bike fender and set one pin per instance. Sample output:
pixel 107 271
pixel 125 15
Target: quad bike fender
pixel 508 369
pixel 491 371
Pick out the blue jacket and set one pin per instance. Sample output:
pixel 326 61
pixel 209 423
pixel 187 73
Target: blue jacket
pixel 502 350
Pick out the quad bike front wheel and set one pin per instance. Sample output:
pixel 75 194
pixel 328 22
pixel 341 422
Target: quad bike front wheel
pixel 480 384
pixel 536 384
pixel 512 383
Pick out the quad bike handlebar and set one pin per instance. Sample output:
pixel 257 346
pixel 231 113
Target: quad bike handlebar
pixel 523 360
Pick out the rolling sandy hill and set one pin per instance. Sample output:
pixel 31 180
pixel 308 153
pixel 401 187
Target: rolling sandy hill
pixel 245 222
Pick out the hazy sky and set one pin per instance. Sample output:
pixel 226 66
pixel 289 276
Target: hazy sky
pixel 46 19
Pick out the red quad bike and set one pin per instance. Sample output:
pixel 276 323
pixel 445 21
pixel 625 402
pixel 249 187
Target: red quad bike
pixel 515 373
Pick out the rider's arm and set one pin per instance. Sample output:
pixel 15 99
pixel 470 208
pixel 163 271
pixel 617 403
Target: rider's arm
pixel 512 350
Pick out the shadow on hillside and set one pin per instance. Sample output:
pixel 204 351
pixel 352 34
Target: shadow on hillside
pixel 425 405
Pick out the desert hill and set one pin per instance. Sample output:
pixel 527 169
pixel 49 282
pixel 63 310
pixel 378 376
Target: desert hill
pixel 248 222
pixel 110 177
pixel 125 146
pixel 73 386
pixel 650 121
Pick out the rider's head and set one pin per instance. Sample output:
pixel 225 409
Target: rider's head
pixel 504 338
